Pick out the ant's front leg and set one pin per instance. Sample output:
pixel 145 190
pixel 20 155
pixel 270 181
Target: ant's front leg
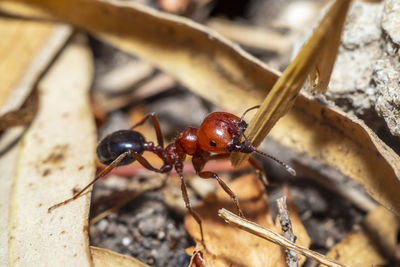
pixel 187 203
pixel 208 175
pixel 252 162
pixel 156 125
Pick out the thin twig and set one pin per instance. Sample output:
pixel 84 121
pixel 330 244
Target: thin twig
pixel 271 236
pixel 291 256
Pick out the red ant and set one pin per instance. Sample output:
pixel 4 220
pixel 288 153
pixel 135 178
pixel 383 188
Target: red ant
pixel 219 133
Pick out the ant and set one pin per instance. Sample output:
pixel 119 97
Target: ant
pixel 220 133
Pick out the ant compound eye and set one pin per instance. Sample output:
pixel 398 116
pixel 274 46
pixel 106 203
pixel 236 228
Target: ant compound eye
pixel 212 143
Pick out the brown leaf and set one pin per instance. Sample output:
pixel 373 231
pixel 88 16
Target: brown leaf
pixel 370 244
pixel 26 49
pixel 107 258
pixel 227 245
pixel 55 155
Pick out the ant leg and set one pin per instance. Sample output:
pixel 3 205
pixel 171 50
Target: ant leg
pixel 101 174
pixel 260 171
pixel 252 162
pixel 247 110
pixel 156 125
pixel 207 175
pixel 144 162
pixel 189 207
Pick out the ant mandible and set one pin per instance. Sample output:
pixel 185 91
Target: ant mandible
pixel 220 133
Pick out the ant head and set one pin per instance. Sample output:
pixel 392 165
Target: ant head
pixel 218 132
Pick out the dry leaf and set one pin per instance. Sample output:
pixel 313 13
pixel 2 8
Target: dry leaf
pixel 55 155
pixel 371 243
pixel 107 258
pixel 227 245
pixel 345 143
pixel 198 57
pixel 251 36
pixel 26 49
pixel 221 72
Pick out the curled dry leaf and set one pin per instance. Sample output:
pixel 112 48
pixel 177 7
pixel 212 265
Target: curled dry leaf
pixel 371 243
pixel 55 155
pixel 198 57
pixel 26 49
pixel 221 72
pixel 228 246
pixel 107 258
pixel 251 36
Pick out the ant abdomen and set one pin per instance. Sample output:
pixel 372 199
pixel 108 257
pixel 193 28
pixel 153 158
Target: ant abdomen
pixel 118 143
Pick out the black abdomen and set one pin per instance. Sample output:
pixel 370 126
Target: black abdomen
pixel 117 143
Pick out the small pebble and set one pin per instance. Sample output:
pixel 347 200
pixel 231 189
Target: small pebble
pixel 161 235
pixel 126 241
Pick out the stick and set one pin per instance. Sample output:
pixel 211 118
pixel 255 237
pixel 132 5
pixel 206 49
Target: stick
pixel 271 236
pixel 291 256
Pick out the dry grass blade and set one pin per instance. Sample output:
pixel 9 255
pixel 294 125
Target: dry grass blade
pixel 269 235
pixel 282 96
pixel 321 74
pixel 54 158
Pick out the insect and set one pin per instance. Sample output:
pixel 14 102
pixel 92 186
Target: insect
pixel 217 137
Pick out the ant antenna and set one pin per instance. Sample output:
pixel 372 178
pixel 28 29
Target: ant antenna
pixel 287 167
pixel 247 110
pixel 253 149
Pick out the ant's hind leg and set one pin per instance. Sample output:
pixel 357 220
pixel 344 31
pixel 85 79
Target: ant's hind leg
pixel 103 173
pixel 156 124
pixel 208 175
pixel 189 207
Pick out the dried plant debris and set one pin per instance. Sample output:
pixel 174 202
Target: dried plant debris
pixel 226 245
pixel 367 72
pixel 107 258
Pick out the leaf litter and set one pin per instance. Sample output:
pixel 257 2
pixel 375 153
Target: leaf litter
pixel 352 128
